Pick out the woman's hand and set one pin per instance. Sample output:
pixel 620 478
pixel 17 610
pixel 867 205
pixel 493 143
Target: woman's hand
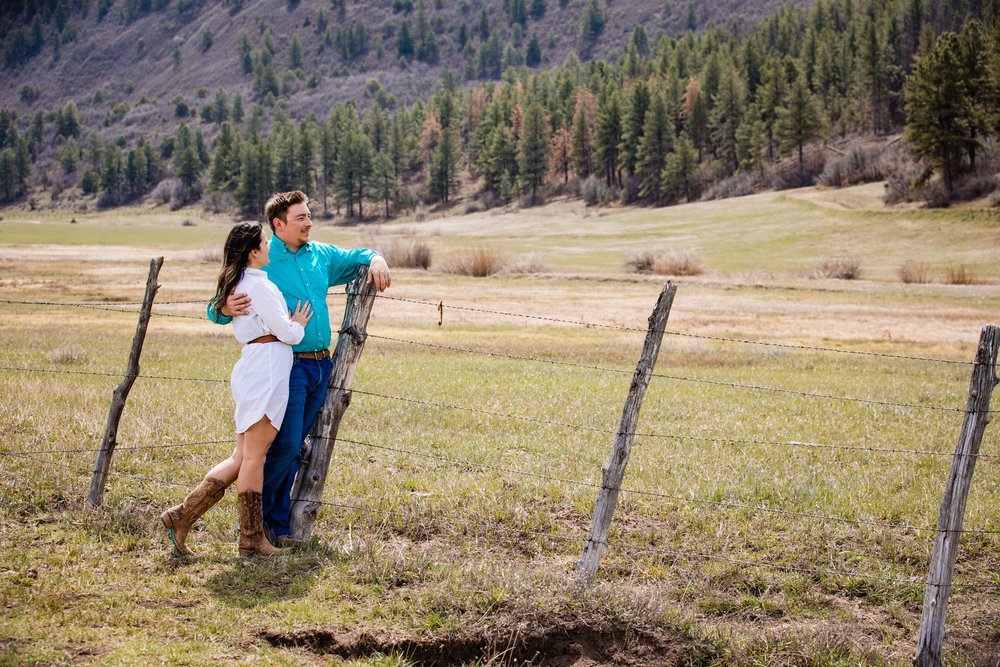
pixel 303 313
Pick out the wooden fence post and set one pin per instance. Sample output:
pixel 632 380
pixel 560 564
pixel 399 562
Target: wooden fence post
pixel 956 491
pixel 100 477
pixel 613 474
pixel 317 450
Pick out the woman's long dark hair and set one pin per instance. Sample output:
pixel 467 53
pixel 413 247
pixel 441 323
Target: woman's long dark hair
pixel 242 240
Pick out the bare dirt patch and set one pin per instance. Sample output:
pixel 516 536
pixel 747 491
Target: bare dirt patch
pixel 574 644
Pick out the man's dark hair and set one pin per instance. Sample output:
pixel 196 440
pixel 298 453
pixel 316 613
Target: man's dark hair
pixel 277 206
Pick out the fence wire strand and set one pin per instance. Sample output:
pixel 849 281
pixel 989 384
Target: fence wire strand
pixel 743 341
pixel 558 537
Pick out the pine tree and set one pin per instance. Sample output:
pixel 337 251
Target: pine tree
pixel 726 117
pixel 404 40
pixel 938 110
pixel 443 167
pixel 533 55
pixel 800 121
pixel 582 141
pixel 607 138
pixel 633 122
pixel 657 142
pixel 679 170
pixel 384 184
pixel 532 150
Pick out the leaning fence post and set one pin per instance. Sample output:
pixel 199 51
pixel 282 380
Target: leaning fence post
pixel 100 477
pixel 614 472
pixel 956 491
pixel 316 452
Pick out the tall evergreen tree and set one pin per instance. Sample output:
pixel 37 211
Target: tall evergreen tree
pixel 607 139
pixel 938 109
pixel 633 122
pixel 679 171
pixel 657 142
pixel 800 121
pixel 532 150
pixel 444 167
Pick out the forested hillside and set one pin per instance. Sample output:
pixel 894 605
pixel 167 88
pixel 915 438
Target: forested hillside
pixel 373 107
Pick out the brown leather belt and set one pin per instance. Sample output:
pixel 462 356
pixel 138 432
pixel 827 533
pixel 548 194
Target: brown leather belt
pixel 317 355
pixel 267 338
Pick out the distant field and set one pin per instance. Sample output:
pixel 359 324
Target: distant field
pixel 463 486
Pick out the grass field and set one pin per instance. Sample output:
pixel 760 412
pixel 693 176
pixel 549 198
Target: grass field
pixel 460 494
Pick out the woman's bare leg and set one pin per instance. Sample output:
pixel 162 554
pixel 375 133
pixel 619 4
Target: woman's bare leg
pixel 256 440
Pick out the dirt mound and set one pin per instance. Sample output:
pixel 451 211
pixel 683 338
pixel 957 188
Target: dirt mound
pixel 576 645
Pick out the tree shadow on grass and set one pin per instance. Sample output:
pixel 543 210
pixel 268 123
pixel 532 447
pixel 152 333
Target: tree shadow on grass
pixel 253 582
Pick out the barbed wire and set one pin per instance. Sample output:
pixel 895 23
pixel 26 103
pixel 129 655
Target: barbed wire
pixel 665 436
pixel 681 378
pixel 979 585
pixel 176 445
pixel 565 538
pixel 744 341
pixel 668 436
pixel 658 494
pixel 114 375
pixel 483 466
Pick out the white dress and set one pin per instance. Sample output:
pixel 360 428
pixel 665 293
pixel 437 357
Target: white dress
pixel 260 377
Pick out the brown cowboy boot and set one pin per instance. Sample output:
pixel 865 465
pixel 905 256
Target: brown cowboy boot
pixel 252 537
pixel 178 520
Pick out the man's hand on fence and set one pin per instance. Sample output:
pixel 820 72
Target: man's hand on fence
pixel 378 273
pixel 236 304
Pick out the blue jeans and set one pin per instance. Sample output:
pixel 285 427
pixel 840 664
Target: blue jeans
pixel 307 386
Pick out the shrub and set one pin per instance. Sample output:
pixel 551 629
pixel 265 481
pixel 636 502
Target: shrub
pixel 478 262
pixel 73 354
pixel 211 254
pixel 474 206
pixel 738 185
pixel 400 253
pixel 679 263
pixel 841 268
pixel 593 190
pixel 530 263
pixel 960 274
pixel 975 186
pixel 914 272
pixel 641 261
pixel 674 263
pixel 860 164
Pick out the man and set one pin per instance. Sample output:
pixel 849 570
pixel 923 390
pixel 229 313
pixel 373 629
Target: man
pixel 304 271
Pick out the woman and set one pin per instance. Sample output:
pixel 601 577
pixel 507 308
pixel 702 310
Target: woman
pixel 260 388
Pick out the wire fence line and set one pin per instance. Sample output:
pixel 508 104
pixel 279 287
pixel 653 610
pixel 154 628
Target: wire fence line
pixel 736 385
pixel 742 341
pixel 110 306
pixel 551 422
pixel 583 323
pixel 656 494
pixel 462 523
pixel 543 476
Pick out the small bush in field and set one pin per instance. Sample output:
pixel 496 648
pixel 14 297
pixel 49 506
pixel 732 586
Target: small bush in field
pixel 531 263
pixel 914 272
pixel 408 254
pixel 211 254
pixel 675 263
pixel 679 263
pixel 641 261
pixel 960 274
pixel 477 262
pixel 73 354
pixel 399 252
pixel 841 268
pixel 593 190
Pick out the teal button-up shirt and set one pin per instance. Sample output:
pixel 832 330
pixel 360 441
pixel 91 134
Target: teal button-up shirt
pixel 307 275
